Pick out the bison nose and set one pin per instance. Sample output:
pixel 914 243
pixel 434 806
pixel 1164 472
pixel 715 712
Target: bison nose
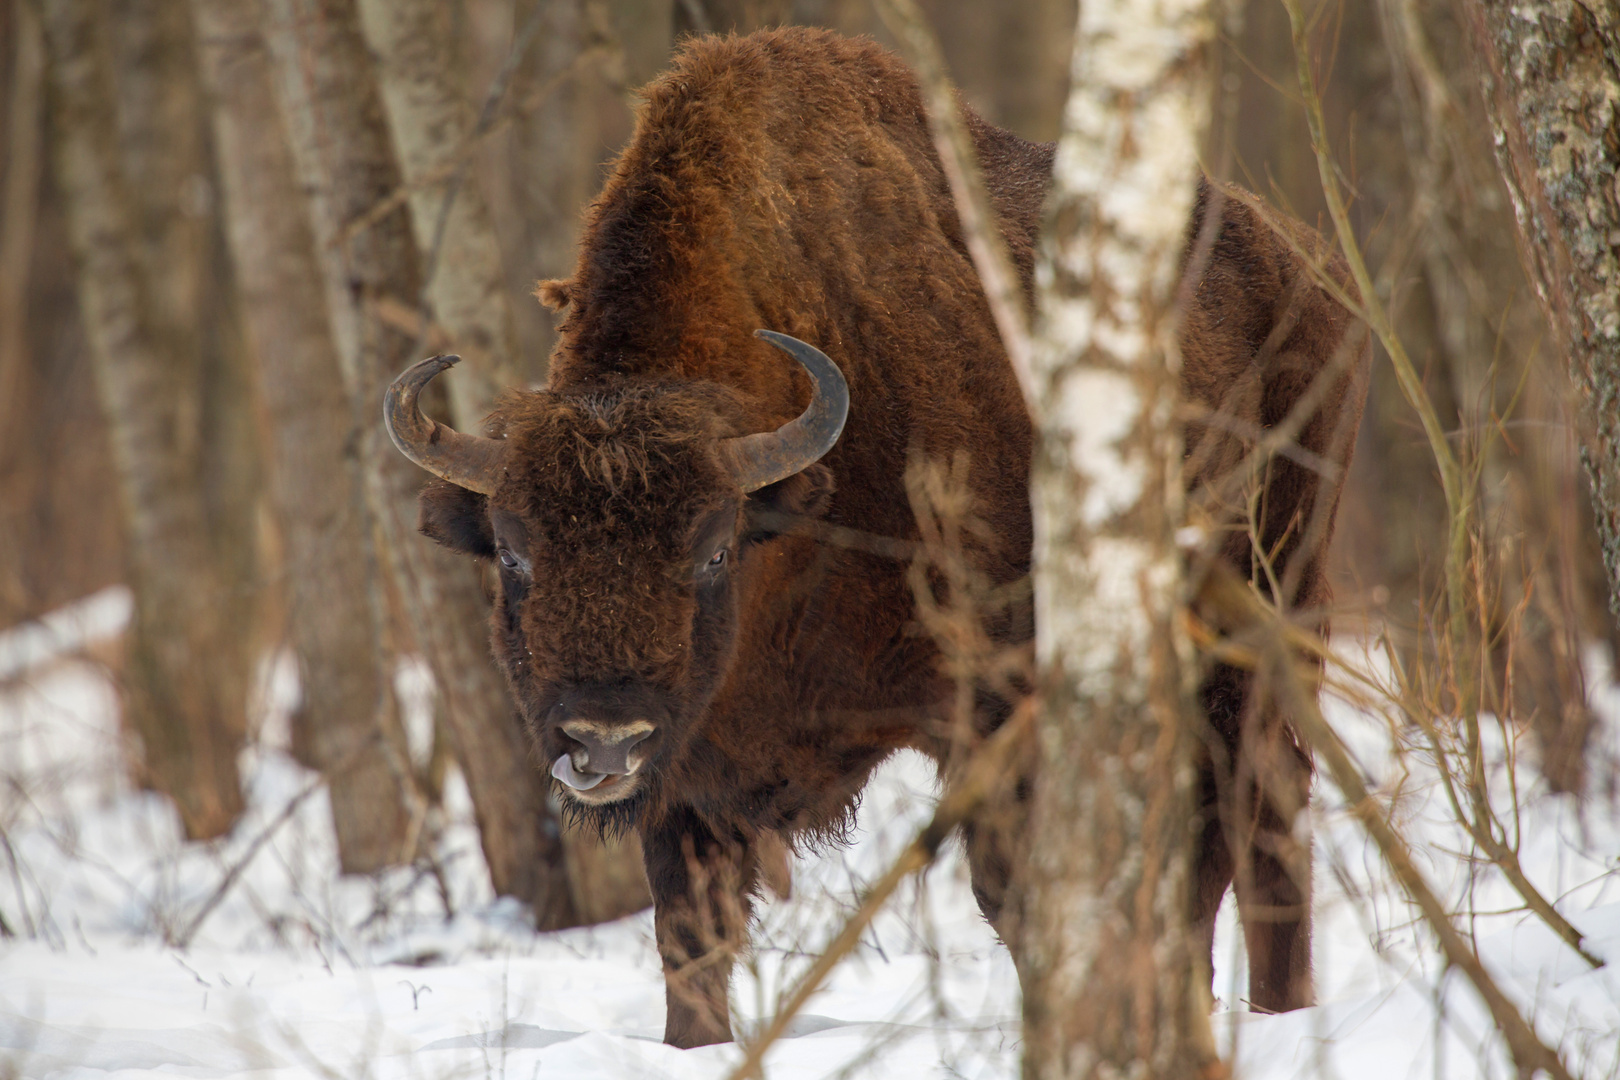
pixel 606 747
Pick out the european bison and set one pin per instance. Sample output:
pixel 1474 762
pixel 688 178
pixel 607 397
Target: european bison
pixel 692 666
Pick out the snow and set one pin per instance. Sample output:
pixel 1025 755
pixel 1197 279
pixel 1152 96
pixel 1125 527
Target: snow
pixel 296 972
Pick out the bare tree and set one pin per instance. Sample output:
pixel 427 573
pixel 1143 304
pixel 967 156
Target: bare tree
pixel 20 200
pixel 432 121
pixel 341 142
pixel 184 693
pixel 337 611
pixel 1112 985
pixel 1551 77
pixel 431 118
pixel 729 16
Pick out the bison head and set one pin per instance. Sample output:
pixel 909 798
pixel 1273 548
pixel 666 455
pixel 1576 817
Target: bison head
pixel 620 519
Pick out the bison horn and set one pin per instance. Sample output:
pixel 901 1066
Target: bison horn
pixel 469 461
pixel 765 458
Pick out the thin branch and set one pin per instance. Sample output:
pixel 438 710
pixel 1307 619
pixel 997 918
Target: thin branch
pixel 1459 500
pixel 459 158
pixel 1224 590
pixel 977 782
pixel 183 938
pixel 20 206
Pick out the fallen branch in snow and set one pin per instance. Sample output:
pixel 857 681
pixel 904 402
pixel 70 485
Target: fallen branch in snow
pixel 1267 642
pixel 988 769
pixel 183 938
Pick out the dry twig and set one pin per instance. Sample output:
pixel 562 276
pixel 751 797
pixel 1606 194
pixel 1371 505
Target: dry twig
pixel 987 769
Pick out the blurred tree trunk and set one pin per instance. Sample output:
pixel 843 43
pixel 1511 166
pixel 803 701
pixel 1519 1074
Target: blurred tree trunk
pixel 24 112
pixel 346 725
pixel 423 85
pixel 19 203
pixel 572 116
pixel 1551 76
pixel 373 281
pixel 168 167
pixel 729 16
pixel 185 692
pixel 1529 555
pixel 1112 983
pixel 60 512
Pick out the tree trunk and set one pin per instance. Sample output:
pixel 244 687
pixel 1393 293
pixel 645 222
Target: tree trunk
pixel 185 697
pixel 1551 78
pixel 24 107
pixel 430 119
pixel 729 16
pixel 1112 983
pixel 346 726
pixel 168 168
pixel 373 281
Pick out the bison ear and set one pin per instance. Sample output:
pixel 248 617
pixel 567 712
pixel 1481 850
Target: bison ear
pixel 806 494
pixel 556 294
pixel 456 518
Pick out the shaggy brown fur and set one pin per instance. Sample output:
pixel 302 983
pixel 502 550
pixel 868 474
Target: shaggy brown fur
pixel 787 180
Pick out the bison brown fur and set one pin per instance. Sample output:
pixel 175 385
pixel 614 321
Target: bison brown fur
pixel 741 678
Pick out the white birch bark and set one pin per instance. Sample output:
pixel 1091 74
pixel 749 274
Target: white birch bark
pixel 430 116
pixel 1109 974
pixel 335 116
pixel 337 618
pixel 189 714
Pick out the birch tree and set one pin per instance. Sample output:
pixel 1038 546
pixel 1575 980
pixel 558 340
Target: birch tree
pixel 334 109
pixel 1551 77
pixel 336 606
pixel 1111 982
pixel 431 120
pixel 183 691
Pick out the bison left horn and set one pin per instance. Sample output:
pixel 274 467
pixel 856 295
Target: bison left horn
pixel 765 458
pixel 469 461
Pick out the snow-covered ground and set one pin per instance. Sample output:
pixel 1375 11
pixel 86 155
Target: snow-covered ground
pixel 295 972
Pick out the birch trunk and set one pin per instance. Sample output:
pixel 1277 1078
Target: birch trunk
pixel 550 159
pixel 168 168
pixel 24 107
pixel 729 16
pixel 340 140
pixel 184 698
pixel 430 117
pixel 1551 77
pixel 1112 985
pixel 336 617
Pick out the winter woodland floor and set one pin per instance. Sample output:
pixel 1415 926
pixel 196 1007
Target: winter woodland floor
pixel 294 972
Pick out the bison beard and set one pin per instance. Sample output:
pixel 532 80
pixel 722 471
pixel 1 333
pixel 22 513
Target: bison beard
pixel 689 666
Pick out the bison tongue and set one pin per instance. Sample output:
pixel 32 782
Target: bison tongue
pixel 564 770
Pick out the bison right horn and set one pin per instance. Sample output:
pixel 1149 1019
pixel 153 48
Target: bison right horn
pixel 469 461
pixel 769 456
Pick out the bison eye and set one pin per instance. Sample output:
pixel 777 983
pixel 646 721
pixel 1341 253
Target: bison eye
pixel 508 560
pixel 718 560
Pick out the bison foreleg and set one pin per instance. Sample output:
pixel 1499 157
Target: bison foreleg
pixel 702 887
